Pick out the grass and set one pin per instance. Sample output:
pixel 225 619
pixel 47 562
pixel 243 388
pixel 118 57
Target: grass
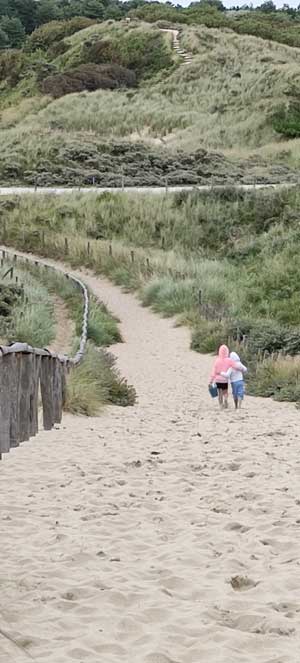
pixel 278 377
pixel 31 319
pixel 222 102
pixel 96 382
pixel 238 252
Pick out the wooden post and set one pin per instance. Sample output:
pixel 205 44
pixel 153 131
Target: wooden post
pixel 163 243
pixel 5 402
pixel 110 250
pixel 66 246
pixel 34 395
pixel 2 262
pixel 148 263
pixel 57 392
pixel 16 359
pixel 132 256
pixel 200 298
pixel 46 377
pixel 12 273
pixel 26 372
pixel 17 280
pixel 88 248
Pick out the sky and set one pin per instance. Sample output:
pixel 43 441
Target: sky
pixel 240 3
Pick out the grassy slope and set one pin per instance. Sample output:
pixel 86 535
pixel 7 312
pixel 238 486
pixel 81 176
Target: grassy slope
pixel 223 101
pixel 241 251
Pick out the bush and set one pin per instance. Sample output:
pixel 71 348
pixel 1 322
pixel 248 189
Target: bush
pixel 143 52
pixel 278 377
pixel 286 119
pixel 88 77
pixel 102 327
pixel 208 336
pixel 266 336
pixel 96 382
pixel 170 297
pixel 49 33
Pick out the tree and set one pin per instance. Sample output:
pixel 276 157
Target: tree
pixel 93 9
pixel 48 10
pixel 15 31
pixel 268 7
pixel 216 4
pixel 3 39
pixel 26 11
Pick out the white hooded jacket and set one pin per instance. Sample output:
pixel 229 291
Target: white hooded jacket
pixel 235 375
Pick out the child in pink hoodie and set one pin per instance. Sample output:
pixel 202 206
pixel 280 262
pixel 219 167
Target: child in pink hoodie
pixel 221 365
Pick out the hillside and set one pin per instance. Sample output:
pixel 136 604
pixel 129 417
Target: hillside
pixel 114 100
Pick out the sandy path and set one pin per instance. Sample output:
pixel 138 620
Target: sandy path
pixel 65 327
pixel 119 534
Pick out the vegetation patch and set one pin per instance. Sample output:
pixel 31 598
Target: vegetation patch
pixel 88 77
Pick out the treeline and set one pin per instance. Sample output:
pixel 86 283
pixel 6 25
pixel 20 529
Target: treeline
pixel 19 18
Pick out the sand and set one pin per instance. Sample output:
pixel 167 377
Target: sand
pixel 163 533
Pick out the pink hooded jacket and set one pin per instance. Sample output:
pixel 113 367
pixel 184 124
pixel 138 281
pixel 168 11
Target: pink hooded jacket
pixel 222 364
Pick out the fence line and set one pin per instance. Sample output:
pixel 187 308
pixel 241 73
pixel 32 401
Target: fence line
pixel 25 371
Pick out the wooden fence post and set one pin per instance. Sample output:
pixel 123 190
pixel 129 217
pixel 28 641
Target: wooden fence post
pixel 34 395
pixel 88 249
pixel 200 298
pixel 110 250
pixel 148 263
pixel 132 256
pixel 25 391
pixel 5 403
pixel 66 246
pixel 15 361
pixel 46 377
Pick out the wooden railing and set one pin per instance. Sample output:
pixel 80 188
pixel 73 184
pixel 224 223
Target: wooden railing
pixel 25 372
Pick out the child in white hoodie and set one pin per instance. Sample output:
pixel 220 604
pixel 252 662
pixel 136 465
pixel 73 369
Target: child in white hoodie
pixel 236 377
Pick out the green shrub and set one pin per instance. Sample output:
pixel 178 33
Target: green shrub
pixel 143 52
pixel 88 77
pixel 286 119
pixel 208 336
pixel 102 326
pixel 49 33
pixel 96 382
pixel 169 297
pixel 279 378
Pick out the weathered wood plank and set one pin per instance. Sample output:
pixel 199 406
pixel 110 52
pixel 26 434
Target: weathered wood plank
pixel 46 373
pixel 5 403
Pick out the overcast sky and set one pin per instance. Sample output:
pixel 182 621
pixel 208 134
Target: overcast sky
pixel 240 3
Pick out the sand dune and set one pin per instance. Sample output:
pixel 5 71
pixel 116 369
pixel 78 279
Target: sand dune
pixel 163 533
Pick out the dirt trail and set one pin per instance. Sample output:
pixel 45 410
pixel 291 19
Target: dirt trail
pixel 65 328
pixel 120 534
pixel 185 55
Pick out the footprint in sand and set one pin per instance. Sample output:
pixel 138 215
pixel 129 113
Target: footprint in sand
pixel 242 583
pixel 159 658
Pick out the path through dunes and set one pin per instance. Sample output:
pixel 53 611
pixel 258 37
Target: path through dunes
pixel 119 534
